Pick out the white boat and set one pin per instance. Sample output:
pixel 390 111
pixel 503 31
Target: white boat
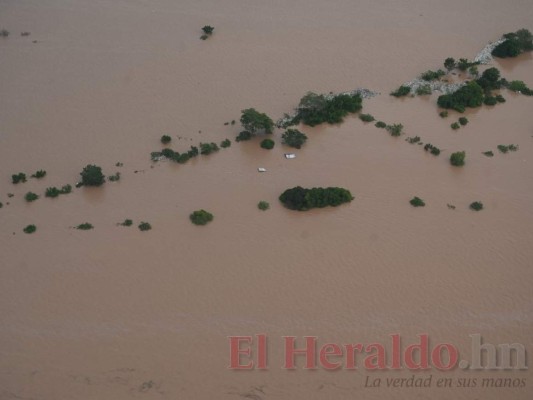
pixel 260 169
pixel 290 155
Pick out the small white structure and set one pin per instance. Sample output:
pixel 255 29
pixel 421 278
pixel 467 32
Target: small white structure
pixel 290 155
pixel 261 169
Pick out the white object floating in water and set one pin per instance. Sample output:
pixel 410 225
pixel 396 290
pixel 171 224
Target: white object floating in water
pixel 260 169
pixel 290 155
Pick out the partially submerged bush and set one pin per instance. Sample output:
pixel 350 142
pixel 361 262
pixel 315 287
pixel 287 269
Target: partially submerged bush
pixel 470 95
pixel 263 205
pixel 490 80
pixel 144 226
pixel 315 109
pixel 267 144
pixel 395 129
pixel 417 202
pixel 366 117
pixel 490 101
pixel 92 176
pixel 380 124
pixel 165 139
pixel 302 199
pixel 423 90
pixel 476 206
pixel 413 140
pixel 515 44
pixel 432 149
pixel 18 178
pixel 30 196
pixel 294 138
pixel 39 174
pixel 242 136
pixel 114 178
pixel 455 126
pixel 29 229
pixel 208 148
pixel 127 222
pixel 517 86
pixel 201 217
pixel 463 121
pixel 443 114
pixel 208 29
pixel 449 63
pixel 432 75
pixel 463 64
pixel 4 33
pixel 458 158
pixel 85 226
pixel 253 121
pixel 225 143
pixel 488 153
pixel 401 91
pixel 505 148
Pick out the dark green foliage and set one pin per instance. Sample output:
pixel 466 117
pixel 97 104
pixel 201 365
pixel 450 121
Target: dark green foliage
pixel 509 48
pixel 254 121
pixel 155 155
pixel 366 117
pixel 423 90
pixel 470 95
pixel 85 226
pixel 488 153
pixel 4 33
pixel 204 37
pixel 517 86
pixel 395 129
pixel 458 158
pixel 144 226
pixel 193 152
pixel 443 114
pixel 473 70
pixel 315 109
pixel 449 63
pixel 39 174
pixel 401 91
pixel 500 99
pixel 503 149
pixel 432 75
pixel 464 64
pixel 127 222
pixel 182 158
pixel 201 217
pixel 29 229
pixel 165 139
pixel 432 149
pixel 92 176
pixel 490 101
pixel 242 136
pixel 513 147
pixel 294 138
pixel 52 192
pixel 380 124
pixel 490 79
pixel 463 121
pixel 302 199
pixel 10 195
pixel 263 205
pixel 208 30
pixel 30 196
pixel 168 153
pixel 119 164
pixel 208 148
pixel 114 178
pixel 232 122
pixel 267 144
pixel 225 143
pixel 476 206
pixel 417 202
pixel 17 178
pixel 455 126
pixel 413 140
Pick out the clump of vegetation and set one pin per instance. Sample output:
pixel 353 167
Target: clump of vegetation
pixel 85 226
pixel 473 71
pixel 127 222
pixel 294 138
pixel 119 164
pixel 455 126
pixel 417 202
pixel 517 86
pixel 242 136
pixel 449 63
pixel 302 199
pixel 490 101
pixel 114 178
pixel 380 124
pixel 263 205
pixel 515 44
pixel 395 129
pixel 443 114
pixel 488 153
pixel 401 91
pixel 18 178
pixel 463 121
pixel 155 155
pixel 208 31
pixel 253 121
pixel 208 148
pixel 267 144
pixel 458 158
pixel 29 229
pixel 201 217
pixel 413 140
pixel 423 90
pixel 54 192
pixel 500 98
pixel 463 64
pixel 366 117
pixel 165 139
pixel 4 33
pixel 39 174
pixel 476 206
pixel 315 109
pixel 432 149
pixel 144 226
pixel 470 95
pixel 504 149
pixel 193 152
pixel 450 206
pixel 225 143
pixel 490 80
pixel 92 176
pixel 432 75
pixel 30 196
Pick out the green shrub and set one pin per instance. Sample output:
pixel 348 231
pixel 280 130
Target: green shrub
pixel 65 189
pixel 458 158
pixel 29 229
pixel 490 101
pixel 204 37
pixel 208 148
pixel 302 199
pixel 401 91
pixel 513 147
pixel 381 124
pixel 294 138
pixel 470 95
pixel 92 176
pixel 463 64
pixel 476 206
pixel 423 90
pixel 183 158
pixel 155 155
pixel 193 152
pixel 450 206
pixel 267 144
pixel 244 135
pixel 500 99
pixel 463 121
pixel 4 33
pixel 443 114
pixel 315 109
pixel 253 121
pixel 503 148
pixel 85 226
pixel 490 79
pixel 417 202
pixel 413 140
pixel 517 86
pixel 366 117
pixel 449 63
pixel 144 226
pixel 168 153
pixel 208 30
pixel 30 196
pixel 165 139
pixel 114 178
pixel 488 153
pixel 17 178
pixel 263 205
pixel 455 126
pixel 52 192
pixel 432 75
pixel 395 129
pixel 127 222
pixel 225 143
pixel 201 217
pixel 432 149
pixel 473 71
pixel 39 174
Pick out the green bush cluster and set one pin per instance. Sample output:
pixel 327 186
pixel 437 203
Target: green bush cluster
pixel 366 117
pixel 4 33
pixel 463 64
pixel 39 174
pixel 114 178
pixel 144 226
pixel 505 148
pixel 263 205
pixel 395 129
pixel 515 44
pixel 476 206
pixel 294 138
pixel 315 109
pixel 201 217
pixel 243 136
pixel 455 126
pixel 253 121
pixel 301 199
pixel 463 121
pixel 18 178
pixel 30 196
pixel 490 80
pixel 432 149
pixel 208 31
pixel 449 63
pixel 165 139
pixel 92 176
pixel 417 202
pixel 208 148
pixel 423 90
pixel 488 153
pixel 54 192
pixel 126 222
pixel 470 95
pixel 225 143
pixel 458 158
pixel 520 86
pixel 85 226
pixel 401 91
pixel 29 229
pixel 413 140
pixel 443 114
pixel 432 75
pixel 267 144
pixel 380 124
